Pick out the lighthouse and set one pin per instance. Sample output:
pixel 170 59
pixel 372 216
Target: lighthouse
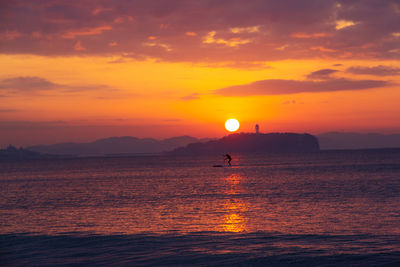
pixel 257 129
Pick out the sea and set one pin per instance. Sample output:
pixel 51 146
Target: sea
pixel 328 208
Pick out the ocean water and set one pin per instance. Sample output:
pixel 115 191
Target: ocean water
pixel 331 208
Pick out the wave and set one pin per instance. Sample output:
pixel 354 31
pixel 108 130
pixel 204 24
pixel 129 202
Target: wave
pixel 200 249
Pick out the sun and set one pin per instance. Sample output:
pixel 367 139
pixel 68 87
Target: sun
pixel 232 125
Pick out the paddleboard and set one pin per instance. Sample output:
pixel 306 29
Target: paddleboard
pixel 222 166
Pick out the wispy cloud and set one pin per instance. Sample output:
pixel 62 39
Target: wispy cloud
pixel 211 38
pixel 342 24
pixel 376 70
pixel 8 110
pixel 321 74
pixel 281 87
pixel 27 84
pixel 15 125
pixel 193 96
pixel 85 32
pixel 289 102
pixel 36 85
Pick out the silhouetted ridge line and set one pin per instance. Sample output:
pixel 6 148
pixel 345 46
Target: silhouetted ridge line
pixel 13 153
pixel 117 146
pixel 253 142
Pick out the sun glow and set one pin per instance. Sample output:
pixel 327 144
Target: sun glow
pixel 232 125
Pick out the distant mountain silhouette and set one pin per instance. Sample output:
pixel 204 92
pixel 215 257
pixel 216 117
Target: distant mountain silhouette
pixel 13 153
pixel 338 140
pixel 253 142
pixel 239 142
pixel 117 145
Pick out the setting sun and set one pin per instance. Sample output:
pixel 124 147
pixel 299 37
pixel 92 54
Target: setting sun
pixel 232 125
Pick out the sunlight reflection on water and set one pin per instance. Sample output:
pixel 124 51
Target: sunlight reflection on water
pixel 312 194
pixel 234 220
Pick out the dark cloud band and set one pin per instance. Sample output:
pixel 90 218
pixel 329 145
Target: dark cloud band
pixel 280 87
pixel 376 70
pixel 202 30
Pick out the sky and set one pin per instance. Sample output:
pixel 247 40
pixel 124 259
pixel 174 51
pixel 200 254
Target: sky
pixel 83 70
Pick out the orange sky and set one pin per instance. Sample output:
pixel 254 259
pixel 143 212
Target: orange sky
pixel 79 71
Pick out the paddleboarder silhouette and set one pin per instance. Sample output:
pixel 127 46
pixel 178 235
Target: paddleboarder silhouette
pixel 229 158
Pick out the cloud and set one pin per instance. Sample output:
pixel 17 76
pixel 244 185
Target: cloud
pixel 7 110
pixel 37 85
pixel 27 84
pixel 78 46
pixel 85 32
pixel 288 102
pixel 245 29
pixel 321 74
pixel 13 125
pixel 239 65
pixel 302 35
pixel 281 87
pixel 191 97
pixel 210 38
pixel 172 120
pixel 202 30
pixel 379 70
pixel 341 24
pixel 10 35
pixel 191 34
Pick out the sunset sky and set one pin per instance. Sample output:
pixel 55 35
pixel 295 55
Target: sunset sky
pixel 84 70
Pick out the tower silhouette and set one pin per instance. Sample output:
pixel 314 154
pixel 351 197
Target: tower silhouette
pixel 257 129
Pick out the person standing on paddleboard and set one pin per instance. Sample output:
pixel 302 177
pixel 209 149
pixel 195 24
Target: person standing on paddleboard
pixel 229 158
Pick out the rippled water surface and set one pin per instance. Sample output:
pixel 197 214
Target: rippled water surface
pixel 327 208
